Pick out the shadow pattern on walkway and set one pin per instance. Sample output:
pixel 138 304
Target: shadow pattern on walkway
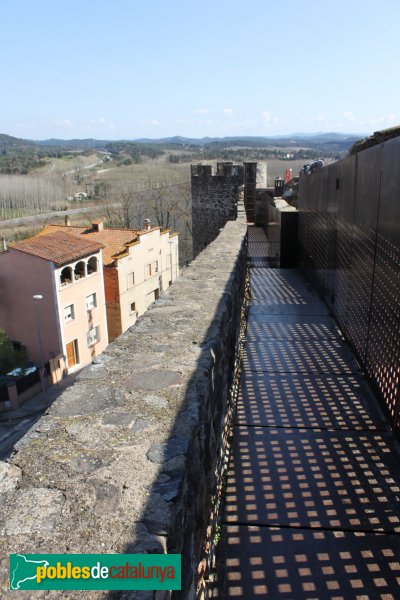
pixel 313 485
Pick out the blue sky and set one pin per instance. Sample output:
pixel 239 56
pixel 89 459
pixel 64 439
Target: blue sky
pixel 130 68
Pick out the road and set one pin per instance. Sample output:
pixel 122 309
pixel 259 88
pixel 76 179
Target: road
pixel 58 213
pixel 83 168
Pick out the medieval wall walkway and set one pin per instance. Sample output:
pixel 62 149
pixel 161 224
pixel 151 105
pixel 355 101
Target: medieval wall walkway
pixel 313 491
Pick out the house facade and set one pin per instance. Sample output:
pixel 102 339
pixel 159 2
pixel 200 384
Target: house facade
pixel 145 268
pixel 138 265
pixel 52 300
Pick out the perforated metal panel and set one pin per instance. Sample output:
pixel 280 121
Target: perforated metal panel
pixel 324 233
pixel 344 178
pixel 307 240
pixel 366 207
pixel 383 351
pixel 317 231
pixel 349 233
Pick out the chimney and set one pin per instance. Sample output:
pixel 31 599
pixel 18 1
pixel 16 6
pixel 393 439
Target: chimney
pixel 98 225
pixel 147 225
pixel 67 221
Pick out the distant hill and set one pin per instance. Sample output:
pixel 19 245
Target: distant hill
pixel 9 142
pixel 296 139
pixel 86 144
pixel 21 156
pixel 329 142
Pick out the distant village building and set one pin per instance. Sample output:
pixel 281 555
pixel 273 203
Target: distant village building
pixel 65 273
pixel 81 196
pixel 137 266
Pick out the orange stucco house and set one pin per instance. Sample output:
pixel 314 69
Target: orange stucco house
pixel 138 264
pixel 66 325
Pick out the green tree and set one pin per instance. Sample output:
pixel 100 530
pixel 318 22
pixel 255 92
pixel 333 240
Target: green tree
pixel 9 357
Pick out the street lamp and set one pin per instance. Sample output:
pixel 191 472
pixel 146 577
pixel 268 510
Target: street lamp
pixel 37 298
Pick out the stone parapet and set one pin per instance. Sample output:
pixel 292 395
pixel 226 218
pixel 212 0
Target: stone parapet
pixel 125 459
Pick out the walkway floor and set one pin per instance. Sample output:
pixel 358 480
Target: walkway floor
pixel 312 504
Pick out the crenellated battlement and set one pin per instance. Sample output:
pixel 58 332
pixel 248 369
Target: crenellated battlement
pixel 222 169
pixel 216 191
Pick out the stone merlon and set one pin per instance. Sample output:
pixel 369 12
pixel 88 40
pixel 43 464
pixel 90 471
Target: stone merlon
pixel 215 197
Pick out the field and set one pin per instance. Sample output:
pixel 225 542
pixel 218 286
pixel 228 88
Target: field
pixel 156 188
pixel 160 192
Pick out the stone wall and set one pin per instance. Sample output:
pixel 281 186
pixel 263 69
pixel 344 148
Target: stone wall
pixel 214 200
pixel 250 185
pixel 125 459
pixel 264 198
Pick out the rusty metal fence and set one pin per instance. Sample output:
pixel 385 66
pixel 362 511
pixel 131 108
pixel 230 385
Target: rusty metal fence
pixel 349 233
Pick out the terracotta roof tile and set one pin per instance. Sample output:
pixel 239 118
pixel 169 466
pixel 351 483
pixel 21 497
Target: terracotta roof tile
pixel 59 247
pixel 115 241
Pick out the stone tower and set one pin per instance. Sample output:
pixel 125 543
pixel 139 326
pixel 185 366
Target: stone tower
pixel 250 183
pixel 214 200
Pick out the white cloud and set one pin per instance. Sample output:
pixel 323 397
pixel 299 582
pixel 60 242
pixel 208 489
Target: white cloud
pixel 155 122
pixel 267 118
pixel 319 121
pixel 349 116
pixel 182 121
pixel 245 126
pixel 228 111
pixel 64 127
pixel 95 126
pixel 201 111
pixel 64 123
pixel 389 120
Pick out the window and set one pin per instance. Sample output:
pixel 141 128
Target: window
pixel 79 270
pixel 91 301
pixel 66 276
pixel 92 265
pixel 93 336
pixel 130 279
pixel 17 346
pixel 69 314
pixel 132 307
pixel 151 269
